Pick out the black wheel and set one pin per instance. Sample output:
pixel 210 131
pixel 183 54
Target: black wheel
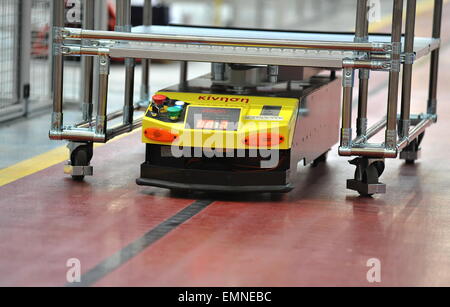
pixel 81 156
pixel 414 147
pixel 369 174
pixel 420 138
pixel 321 159
pixel 379 165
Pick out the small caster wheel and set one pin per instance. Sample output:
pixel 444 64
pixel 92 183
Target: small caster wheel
pixel 366 178
pixel 81 156
pixel 412 152
pixel 321 159
pixel 369 175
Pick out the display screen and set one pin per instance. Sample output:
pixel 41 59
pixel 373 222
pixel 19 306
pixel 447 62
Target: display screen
pixel 271 111
pixel 213 118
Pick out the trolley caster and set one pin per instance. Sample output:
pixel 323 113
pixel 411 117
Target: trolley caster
pixel 367 173
pixel 412 152
pixel 321 159
pixel 80 157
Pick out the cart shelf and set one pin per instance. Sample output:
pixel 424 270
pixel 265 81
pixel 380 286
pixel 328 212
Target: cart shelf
pixel 243 53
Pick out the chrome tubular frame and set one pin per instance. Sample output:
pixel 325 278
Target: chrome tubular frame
pixel 362 35
pixel 359 54
pixel 88 63
pixel 145 84
pixel 398 56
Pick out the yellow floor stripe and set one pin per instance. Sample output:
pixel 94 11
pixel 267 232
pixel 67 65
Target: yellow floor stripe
pixel 41 162
pixel 33 165
pixel 60 154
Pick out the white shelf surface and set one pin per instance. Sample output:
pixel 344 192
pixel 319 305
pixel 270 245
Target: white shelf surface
pixel 250 54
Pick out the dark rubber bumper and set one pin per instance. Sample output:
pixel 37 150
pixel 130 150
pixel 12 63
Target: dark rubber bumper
pixel 214 181
pixel 214 188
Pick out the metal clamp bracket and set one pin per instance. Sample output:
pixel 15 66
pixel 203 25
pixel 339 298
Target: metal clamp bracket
pixel 409 58
pixel 59 34
pixel 367 64
pixel 78 170
pixel 104 65
pixel 348 76
pixel 391 139
pixel 396 48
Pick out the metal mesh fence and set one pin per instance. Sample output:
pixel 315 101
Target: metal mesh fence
pixel 8 52
pixel 40 70
pixel 40 57
pixel 40 66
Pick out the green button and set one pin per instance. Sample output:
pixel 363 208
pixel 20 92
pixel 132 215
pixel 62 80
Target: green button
pixel 174 112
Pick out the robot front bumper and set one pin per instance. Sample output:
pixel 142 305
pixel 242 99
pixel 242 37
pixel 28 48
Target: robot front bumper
pixel 214 180
pixel 195 170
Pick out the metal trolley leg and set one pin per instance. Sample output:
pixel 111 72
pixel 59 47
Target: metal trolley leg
pixel 407 69
pixel 183 72
pixel 361 35
pixel 81 152
pixel 123 24
pixel 58 65
pixel 347 84
pixel 102 95
pixel 411 152
pixel 88 62
pixel 434 66
pixel 145 86
pixel 368 170
pixel 394 76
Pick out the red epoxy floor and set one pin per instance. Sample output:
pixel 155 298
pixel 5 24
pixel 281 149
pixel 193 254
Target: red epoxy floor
pixel 47 218
pixel 319 234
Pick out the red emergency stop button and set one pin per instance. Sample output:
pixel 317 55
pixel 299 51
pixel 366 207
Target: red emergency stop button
pixel 159 99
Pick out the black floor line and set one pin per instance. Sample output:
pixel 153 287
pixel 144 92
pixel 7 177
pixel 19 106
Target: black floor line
pixel 131 250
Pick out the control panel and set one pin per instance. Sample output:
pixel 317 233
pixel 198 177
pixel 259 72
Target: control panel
pixel 196 119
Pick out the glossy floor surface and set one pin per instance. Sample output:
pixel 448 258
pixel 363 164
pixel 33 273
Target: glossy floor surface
pixel 319 234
